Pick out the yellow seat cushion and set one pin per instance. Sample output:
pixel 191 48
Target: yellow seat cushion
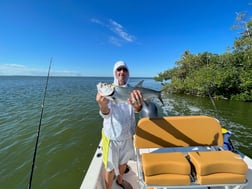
pixel 212 162
pixel 168 180
pixel 221 178
pixel 218 167
pixel 166 168
pixel 162 163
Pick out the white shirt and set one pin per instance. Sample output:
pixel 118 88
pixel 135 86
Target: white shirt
pixel 119 124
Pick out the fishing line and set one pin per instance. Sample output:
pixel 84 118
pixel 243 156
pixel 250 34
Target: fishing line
pixel 39 126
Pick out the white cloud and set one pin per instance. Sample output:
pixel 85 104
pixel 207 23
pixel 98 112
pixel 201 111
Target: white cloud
pixel 18 69
pixel 66 73
pixel 115 41
pixel 15 69
pixel 96 21
pixel 121 35
pixel 119 30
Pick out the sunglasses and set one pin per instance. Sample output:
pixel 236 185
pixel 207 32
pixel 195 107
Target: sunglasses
pixel 122 69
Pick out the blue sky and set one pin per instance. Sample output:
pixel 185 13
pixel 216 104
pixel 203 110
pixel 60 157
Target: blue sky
pixel 86 37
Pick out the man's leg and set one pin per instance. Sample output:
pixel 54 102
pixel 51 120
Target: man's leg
pixel 109 177
pixel 122 169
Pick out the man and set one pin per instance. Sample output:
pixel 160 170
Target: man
pixel 118 128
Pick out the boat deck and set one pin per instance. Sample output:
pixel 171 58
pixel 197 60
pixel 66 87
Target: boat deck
pixel 131 176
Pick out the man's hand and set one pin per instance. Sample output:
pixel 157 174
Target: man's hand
pixel 103 103
pixel 136 100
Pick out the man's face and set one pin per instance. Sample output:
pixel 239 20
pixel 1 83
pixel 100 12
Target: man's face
pixel 122 74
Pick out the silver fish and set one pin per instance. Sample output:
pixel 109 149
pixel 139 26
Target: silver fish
pixel 122 94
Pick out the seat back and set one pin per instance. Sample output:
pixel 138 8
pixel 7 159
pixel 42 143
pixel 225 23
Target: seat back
pixel 178 131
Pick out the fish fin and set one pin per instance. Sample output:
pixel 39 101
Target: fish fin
pixel 140 84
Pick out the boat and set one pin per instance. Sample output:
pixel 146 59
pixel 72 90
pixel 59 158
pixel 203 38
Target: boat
pixel 191 143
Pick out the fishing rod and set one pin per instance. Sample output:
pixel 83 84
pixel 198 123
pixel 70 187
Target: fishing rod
pixel 39 126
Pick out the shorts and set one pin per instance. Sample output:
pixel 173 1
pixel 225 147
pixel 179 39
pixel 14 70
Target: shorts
pixel 116 153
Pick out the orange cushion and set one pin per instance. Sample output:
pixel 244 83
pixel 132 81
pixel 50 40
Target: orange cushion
pixel 221 178
pixel 212 162
pixel 165 163
pixel 168 179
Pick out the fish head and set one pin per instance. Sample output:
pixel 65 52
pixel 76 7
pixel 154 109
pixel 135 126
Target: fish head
pixel 105 89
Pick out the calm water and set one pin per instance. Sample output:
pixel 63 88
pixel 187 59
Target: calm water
pixel 71 127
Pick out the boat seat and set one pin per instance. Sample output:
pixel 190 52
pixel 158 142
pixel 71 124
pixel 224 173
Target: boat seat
pixel 176 168
pixel 218 167
pixel 170 168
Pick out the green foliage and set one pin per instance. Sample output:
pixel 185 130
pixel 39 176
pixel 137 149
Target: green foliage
pixel 228 75
pixel 245 96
